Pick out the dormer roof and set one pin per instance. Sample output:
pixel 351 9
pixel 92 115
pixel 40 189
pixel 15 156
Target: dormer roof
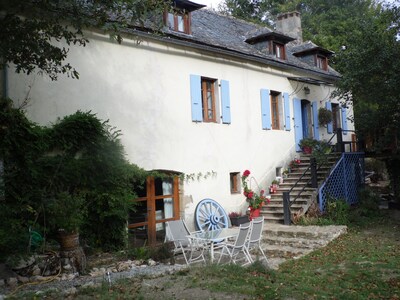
pixel 268 35
pixel 309 48
pixel 187 5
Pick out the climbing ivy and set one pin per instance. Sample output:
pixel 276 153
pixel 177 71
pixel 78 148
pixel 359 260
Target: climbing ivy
pixel 78 154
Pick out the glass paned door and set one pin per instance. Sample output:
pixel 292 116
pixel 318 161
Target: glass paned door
pixel 160 204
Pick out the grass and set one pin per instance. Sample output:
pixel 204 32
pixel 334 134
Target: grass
pixel 363 264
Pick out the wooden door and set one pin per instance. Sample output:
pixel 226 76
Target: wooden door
pixel 159 203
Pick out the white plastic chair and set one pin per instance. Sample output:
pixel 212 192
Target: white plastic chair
pixel 177 232
pixel 254 240
pixel 238 247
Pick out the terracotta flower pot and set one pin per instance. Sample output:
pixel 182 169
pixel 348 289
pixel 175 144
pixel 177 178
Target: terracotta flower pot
pixel 307 150
pixel 68 241
pixel 254 213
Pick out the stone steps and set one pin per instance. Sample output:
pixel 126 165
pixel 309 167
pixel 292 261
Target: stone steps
pixel 281 242
pixel 274 211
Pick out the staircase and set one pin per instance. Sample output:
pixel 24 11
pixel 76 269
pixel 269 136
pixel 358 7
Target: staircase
pixel 273 212
pixel 280 242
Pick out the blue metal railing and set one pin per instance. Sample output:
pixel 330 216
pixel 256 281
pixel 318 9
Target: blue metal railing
pixel 344 181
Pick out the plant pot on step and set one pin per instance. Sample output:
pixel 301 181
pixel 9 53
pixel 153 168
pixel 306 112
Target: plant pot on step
pixel 254 213
pixel 237 221
pixel 307 150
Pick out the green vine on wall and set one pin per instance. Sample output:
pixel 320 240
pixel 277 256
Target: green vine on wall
pixel 197 176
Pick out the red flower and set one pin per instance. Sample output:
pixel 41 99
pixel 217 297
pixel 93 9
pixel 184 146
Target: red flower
pixel 246 173
pixel 250 195
pixel 262 192
pixel 245 194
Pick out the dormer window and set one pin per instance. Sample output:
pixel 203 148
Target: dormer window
pixel 321 62
pixel 178 18
pixel 179 21
pixel 278 50
pixel 273 43
pixel 313 55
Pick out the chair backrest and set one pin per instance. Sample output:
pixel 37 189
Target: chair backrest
pixel 242 236
pixel 177 231
pixel 256 230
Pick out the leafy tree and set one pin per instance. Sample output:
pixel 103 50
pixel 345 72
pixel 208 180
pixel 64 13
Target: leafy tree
pixel 31 29
pixel 371 83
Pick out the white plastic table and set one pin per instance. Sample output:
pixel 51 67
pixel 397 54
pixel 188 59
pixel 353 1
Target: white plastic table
pixel 213 236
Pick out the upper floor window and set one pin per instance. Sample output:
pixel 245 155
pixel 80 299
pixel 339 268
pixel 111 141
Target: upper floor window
pixel 278 50
pixel 208 99
pixel 178 20
pixel 276 110
pixel 321 62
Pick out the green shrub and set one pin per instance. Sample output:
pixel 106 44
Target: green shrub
pixel 337 210
pixel 78 155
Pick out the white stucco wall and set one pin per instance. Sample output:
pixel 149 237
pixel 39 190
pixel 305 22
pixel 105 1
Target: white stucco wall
pixel 144 90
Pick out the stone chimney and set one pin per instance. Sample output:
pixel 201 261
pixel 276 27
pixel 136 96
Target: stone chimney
pixel 290 24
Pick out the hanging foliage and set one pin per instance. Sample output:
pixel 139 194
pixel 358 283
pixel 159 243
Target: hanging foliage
pixel 78 160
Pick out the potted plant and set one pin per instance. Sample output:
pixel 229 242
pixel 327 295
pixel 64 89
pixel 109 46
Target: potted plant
pixel 66 213
pixel 324 116
pixel 294 163
pixel 321 151
pixel 307 145
pixel 274 186
pixel 254 199
pixel 237 218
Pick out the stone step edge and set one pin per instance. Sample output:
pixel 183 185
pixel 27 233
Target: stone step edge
pixel 302 243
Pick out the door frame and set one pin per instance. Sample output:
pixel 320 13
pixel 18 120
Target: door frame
pixel 151 199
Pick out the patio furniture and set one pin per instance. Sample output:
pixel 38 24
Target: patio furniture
pixel 254 240
pixel 213 237
pixel 234 250
pixel 178 233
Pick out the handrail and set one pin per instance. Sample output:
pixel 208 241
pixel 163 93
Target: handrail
pixel 287 203
pixel 295 184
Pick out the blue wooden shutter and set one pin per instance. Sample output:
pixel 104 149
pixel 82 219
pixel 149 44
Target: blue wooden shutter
pixel 287 111
pixel 344 120
pixel 195 95
pixel 315 119
pixel 328 106
pixel 298 124
pixel 225 102
pixel 265 109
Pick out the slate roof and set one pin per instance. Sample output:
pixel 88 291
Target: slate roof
pixel 309 47
pixel 228 35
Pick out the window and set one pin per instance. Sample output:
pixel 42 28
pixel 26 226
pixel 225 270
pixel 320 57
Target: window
pixel 235 182
pixel 321 62
pixel 208 99
pixel 335 116
pixel 178 21
pixel 278 50
pixel 205 103
pixel 273 105
pixel 275 110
